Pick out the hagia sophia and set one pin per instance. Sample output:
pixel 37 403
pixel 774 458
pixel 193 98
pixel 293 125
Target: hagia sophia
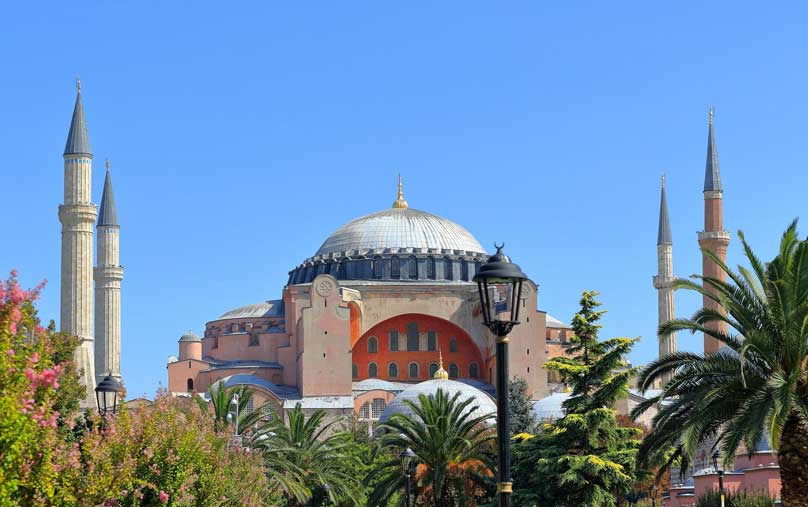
pixel 384 309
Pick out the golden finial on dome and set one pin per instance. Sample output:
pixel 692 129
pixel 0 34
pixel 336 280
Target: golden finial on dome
pixel 441 373
pixel 400 202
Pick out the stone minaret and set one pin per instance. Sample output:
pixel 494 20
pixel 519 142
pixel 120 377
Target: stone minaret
pixel 713 238
pixel 77 216
pixel 108 276
pixel 664 277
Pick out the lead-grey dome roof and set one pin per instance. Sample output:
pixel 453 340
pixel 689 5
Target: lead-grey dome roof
pixel 481 405
pixel 400 228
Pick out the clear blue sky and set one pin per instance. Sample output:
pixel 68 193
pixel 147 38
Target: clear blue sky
pixel 241 134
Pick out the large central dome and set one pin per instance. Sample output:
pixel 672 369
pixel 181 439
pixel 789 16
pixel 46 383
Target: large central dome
pixel 397 229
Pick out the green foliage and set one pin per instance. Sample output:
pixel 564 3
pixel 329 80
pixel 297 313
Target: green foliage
pixel 586 457
pixel 740 499
pixel 522 419
pixel 454 450
pixel 757 383
pixel 221 406
pixel 305 454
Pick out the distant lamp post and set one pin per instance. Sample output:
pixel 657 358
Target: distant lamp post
pixel 230 418
pixel 498 271
pixel 327 490
pixel 720 472
pixel 107 391
pixel 407 458
pixel 653 495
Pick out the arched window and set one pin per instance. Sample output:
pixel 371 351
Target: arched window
pixel 373 370
pixel 364 412
pixel 412 267
pixel 373 345
pixel 453 344
pixel 395 268
pixel 433 368
pixel 377 408
pixel 474 370
pixel 190 385
pixel 394 340
pixel 464 269
pixel 249 407
pixel 413 370
pixel 392 370
pixel 454 371
pixel 430 268
pixel 431 340
pixel 412 336
pixel 447 269
pixel 342 273
pixel 377 268
pixel 354 371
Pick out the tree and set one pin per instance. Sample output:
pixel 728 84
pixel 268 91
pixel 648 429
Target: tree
pixel 586 457
pixel 308 459
pixel 757 383
pixel 453 446
pixel 522 419
pixel 221 398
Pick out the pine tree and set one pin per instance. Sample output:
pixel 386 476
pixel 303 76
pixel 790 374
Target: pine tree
pixel 522 418
pixel 586 457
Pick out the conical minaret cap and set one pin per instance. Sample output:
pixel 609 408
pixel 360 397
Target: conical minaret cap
pixel 107 213
pixel 78 141
pixel 712 177
pixel 664 234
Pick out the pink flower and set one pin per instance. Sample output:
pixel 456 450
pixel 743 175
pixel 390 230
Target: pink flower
pixel 163 496
pixel 10 352
pixel 35 357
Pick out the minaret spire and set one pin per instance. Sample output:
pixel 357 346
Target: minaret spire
pixel 77 215
pixel 713 238
pixel 400 202
pixel 108 275
pixel 664 278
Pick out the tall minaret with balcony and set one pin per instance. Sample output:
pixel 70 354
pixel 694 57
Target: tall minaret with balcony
pixel 108 277
pixel 77 216
pixel 664 278
pixel 713 238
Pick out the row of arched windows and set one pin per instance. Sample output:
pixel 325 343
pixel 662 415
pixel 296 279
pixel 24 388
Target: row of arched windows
pixel 415 269
pixel 413 341
pixel 413 370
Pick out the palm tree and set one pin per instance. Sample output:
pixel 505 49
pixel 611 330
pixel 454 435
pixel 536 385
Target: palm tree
pixel 757 384
pixel 221 398
pixel 452 444
pixel 308 459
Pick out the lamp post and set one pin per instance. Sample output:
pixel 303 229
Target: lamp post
pixel 720 477
pixel 499 271
pixel 407 458
pixel 653 495
pixel 109 387
pixel 234 403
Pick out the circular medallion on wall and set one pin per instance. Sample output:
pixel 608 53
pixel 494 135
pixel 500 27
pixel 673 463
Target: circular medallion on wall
pixel 324 288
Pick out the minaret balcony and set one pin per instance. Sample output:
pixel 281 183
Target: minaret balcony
pixel 77 213
pixel 722 236
pixel 663 282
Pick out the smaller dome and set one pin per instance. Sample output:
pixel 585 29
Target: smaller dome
pixel 481 405
pixel 550 407
pixel 190 336
pixel 273 308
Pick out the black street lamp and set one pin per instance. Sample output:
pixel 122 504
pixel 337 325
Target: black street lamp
pixel 500 271
pixel 653 495
pixel 720 477
pixel 106 389
pixel 407 458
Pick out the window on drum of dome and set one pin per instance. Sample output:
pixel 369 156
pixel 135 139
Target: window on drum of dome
pixel 474 370
pixel 373 370
pixel 412 267
pixel 394 340
pixel 342 273
pixel 392 370
pixel 430 268
pixel 454 371
pixel 447 269
pixel 215 342
pixel 234 328
pixel 377 268
pixel 377 408
pixel 395 268
pixel 453 344
pixel 433 368
pixel 373 345
pixel 413 370
pixel 431 340
pixel 412 336
pixel 464 269
pixel 364 411
pixel 254 341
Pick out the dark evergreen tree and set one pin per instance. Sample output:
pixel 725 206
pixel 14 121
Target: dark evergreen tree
pixel 522 418
pixel 586 457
